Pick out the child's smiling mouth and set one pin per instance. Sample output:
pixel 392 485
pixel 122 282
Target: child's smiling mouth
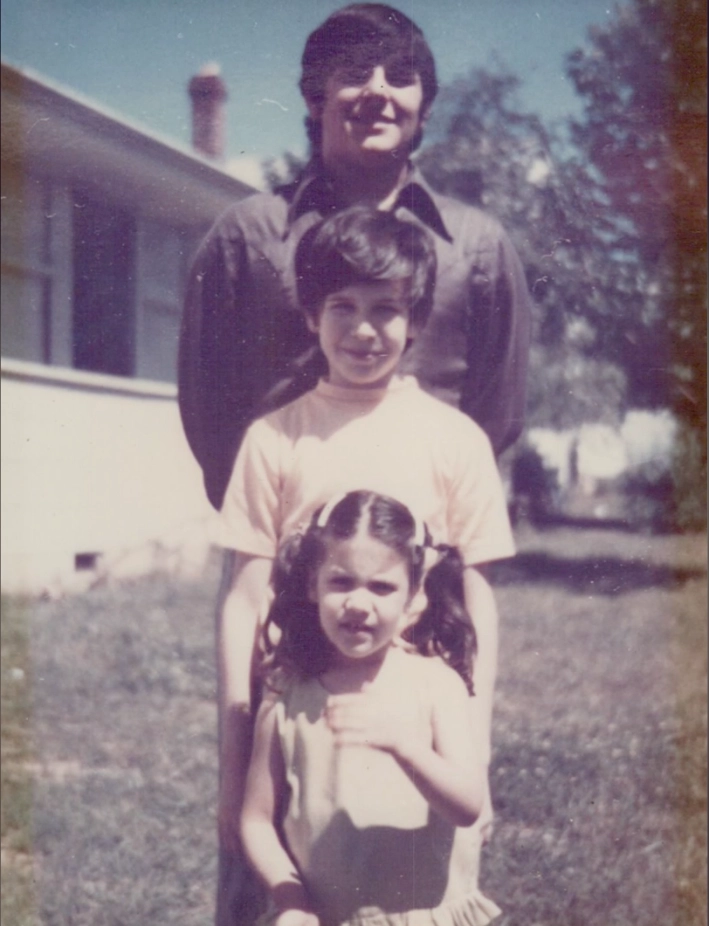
pixel 365 356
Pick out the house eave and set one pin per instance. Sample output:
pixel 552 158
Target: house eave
pixel 50 130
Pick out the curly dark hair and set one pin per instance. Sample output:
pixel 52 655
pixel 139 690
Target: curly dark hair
pixel 299 646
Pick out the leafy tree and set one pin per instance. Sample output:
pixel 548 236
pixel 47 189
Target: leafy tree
pixel 483 148
pixel 643 132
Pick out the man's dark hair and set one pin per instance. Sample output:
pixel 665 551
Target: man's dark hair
pixel 363 35
pixel 364 245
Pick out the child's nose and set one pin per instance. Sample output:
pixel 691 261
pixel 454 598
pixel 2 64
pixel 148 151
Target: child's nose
pixel 365 329
pixel 358 601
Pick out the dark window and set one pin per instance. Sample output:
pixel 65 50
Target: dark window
pixel 104 287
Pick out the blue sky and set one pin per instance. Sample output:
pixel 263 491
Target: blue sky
pixel 136 58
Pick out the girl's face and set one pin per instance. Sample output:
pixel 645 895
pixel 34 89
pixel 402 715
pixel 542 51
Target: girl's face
pixel 363 331
pixel 362 592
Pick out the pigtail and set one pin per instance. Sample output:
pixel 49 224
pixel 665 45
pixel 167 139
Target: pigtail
pixel 291 640
pixel 445 628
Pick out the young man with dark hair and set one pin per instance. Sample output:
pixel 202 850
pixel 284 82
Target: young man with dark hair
pixel 368 80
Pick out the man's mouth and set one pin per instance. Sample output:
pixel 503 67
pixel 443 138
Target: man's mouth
pixel 372 119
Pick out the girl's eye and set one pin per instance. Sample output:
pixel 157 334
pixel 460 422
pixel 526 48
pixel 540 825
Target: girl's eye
pixel 339 583
pixel 382 588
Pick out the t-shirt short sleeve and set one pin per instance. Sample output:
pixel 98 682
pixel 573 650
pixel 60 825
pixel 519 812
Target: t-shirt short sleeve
pixel 478 521
pixel 250 518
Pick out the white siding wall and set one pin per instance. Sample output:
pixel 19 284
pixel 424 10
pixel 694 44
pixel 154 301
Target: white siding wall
pixel 91 464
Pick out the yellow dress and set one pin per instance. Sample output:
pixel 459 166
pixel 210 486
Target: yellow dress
pixel 370 850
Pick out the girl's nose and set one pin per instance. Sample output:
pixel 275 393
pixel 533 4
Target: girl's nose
pixel 357 601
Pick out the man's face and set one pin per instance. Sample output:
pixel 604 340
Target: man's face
pixel 369 112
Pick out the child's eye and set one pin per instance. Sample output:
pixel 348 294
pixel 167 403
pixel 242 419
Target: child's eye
pixel 340 308
pixel 382 588
pixel 388 310
pixel 339 583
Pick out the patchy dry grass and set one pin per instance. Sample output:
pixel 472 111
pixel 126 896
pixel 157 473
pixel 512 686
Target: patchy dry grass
pixel 600 744
pixel 17 900
pixel 599 768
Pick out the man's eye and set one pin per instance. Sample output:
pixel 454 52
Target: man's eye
pixel 400 74
pixel 354 75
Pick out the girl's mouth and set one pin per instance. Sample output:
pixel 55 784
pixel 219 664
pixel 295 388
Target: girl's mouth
pixel 355 627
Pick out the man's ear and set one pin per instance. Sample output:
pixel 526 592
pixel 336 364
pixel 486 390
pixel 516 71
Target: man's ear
pixel 312 322
pixel 424 117
pixel 314 110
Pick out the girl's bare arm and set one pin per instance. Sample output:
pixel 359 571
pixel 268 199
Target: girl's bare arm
pixel 265 787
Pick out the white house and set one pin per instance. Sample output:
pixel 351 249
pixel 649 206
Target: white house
pixel 99 221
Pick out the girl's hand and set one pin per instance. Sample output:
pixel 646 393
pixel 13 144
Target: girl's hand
pixel 296 918
pixel 366 720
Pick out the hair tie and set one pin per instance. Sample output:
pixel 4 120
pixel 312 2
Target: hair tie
pixel 419 537
pixel 328 508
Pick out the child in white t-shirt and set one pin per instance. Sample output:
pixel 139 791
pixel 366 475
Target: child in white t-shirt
pixel 365 283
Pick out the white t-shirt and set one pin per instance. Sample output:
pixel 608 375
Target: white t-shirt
pixel 396 441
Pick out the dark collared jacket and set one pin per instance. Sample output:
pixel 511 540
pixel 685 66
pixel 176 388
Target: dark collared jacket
pixel 245 349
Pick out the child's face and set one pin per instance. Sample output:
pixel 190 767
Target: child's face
pixel 362 592
pixel 363 331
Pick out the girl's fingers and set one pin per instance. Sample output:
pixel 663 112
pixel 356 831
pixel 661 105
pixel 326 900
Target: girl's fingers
pixel 343 721
pixel 351 738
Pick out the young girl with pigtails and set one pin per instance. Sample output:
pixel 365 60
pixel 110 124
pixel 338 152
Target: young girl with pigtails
pixel 364 759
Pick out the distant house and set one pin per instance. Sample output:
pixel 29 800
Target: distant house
pixel 99 222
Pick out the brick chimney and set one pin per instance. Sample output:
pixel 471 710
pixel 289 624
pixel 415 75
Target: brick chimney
pixel 208 93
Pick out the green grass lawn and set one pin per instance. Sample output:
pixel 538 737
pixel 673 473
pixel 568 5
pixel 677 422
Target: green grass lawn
pixel 599 771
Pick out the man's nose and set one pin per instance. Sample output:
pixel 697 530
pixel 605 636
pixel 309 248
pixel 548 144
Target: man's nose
pixel 377 84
